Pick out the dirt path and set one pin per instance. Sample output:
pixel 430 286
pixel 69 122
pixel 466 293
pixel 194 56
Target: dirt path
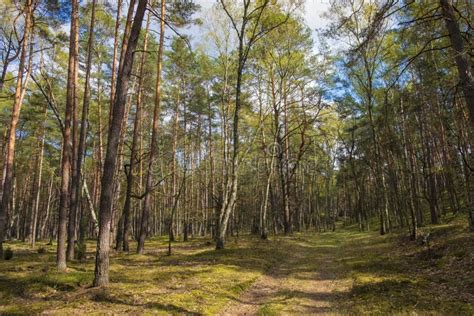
pixel 301 284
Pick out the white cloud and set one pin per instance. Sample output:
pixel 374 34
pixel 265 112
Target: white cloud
pixel 313 10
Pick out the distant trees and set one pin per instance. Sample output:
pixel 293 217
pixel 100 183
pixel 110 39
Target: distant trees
pixel 179 16
pixel 412 107
pixel 249 29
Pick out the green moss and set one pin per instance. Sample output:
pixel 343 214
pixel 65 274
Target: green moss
pixel 269 310
pixel 242 286
pixel 391 275
pixel 380 275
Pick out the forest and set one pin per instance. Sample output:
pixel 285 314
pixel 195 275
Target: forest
pixel 247 157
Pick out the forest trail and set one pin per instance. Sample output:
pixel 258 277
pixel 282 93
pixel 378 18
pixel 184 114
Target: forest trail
pixel 302 283
pixel 333 273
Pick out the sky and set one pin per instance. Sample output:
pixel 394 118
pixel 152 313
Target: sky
pixel 313 9
pixel 312 15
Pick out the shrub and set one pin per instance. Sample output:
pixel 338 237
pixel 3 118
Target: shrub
pixel 8 254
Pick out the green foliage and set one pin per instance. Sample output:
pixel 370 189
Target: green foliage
pixel 181 12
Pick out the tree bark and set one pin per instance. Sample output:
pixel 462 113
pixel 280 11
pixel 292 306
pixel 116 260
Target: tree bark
pixel 34 222
pixel 84 122
pixel 75 177
pixel 118 112
pixel 67 150
pixel 133 153
pixel 48 206
pixel 231 183
pixel 19 95
pixel 114 58
pixel 154 137
pixel 461 56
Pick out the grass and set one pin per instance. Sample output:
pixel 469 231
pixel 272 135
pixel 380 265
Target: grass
pixel 370 274
pixel 195 279
pixel 392 275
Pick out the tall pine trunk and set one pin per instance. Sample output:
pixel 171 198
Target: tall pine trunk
pixel 19 95
pixel 154 138
pixel 106 199
pixel 34 221
pixel 123 235
pixel 84 121
pixel 75 178
pixel 67 150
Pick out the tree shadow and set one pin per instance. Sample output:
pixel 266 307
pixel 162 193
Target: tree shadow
pixel 104 296
pixel 315 303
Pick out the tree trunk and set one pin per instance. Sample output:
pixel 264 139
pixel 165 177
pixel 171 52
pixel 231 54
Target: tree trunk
pixel 124 235
pixel 75 178
pixel 106 198
pixel 48 206
pixel 84 122
pixel 114 58
pixel 174 190
pixel 230 183
pixel 34 222
pixel 19 95
pixel 461 55
pixel 154 137
pixel 116 182
pixel 230 193
pixel 67 150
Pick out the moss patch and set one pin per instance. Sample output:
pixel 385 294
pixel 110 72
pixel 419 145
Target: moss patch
pixel 376 275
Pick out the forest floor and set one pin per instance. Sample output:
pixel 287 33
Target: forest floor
pixel 342 272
